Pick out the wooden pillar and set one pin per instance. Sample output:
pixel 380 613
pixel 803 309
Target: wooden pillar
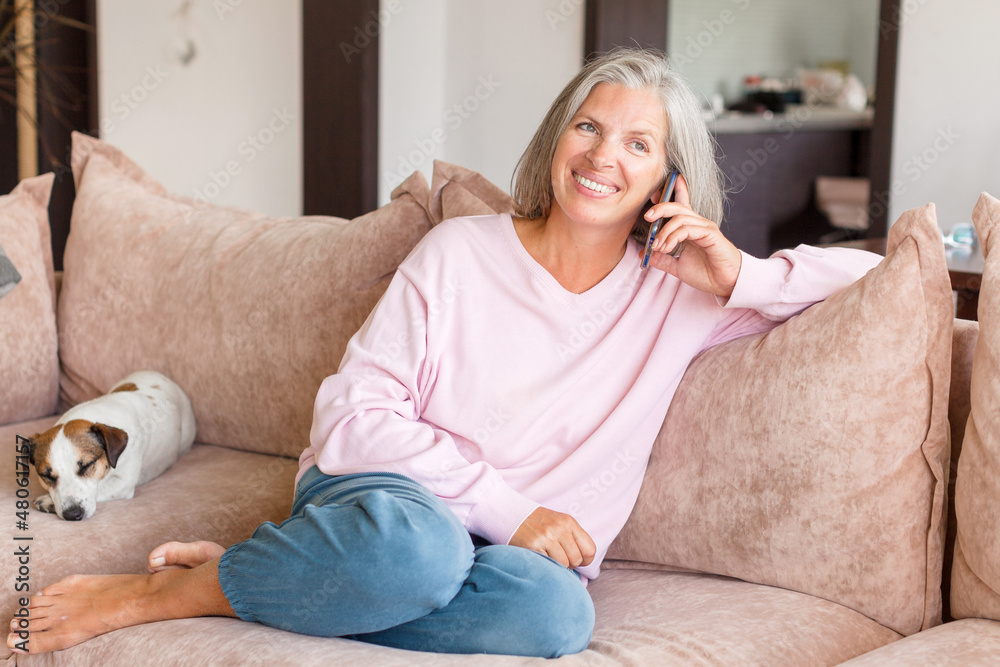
pixel 631 23
pixel 880 158
pixel 340 106
pixel 27 106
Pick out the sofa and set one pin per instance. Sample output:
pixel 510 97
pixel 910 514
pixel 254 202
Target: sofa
pixel 805 502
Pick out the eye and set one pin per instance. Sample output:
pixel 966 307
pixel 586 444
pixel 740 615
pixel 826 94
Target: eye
pixel 639 146
pixel 586 127
pixel 47 478
pixel 84 467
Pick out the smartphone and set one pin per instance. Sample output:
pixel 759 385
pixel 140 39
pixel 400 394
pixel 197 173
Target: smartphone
pixel 668 192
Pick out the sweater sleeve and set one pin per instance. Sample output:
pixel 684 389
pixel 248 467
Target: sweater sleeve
pixel 367 418
pixel 770 291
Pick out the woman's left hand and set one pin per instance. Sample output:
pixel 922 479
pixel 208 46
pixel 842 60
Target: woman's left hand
pixel 708 261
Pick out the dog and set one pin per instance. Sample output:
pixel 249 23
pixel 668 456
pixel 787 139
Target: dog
pixel 103 448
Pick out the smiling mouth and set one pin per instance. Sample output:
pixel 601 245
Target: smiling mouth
pixel 591 185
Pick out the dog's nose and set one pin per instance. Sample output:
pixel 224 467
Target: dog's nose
pixel 74 513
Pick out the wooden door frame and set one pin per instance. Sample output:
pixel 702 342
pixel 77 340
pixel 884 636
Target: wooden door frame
pixel 340 44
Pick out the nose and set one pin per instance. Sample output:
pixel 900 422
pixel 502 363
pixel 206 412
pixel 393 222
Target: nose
pixel 73 513
pixel 601 153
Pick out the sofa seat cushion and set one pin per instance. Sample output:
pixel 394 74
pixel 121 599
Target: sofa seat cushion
pixel 974 641
pixel 643 618
pixel 211 493
pixel 655 618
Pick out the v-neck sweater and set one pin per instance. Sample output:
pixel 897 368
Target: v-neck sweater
pixel 481 377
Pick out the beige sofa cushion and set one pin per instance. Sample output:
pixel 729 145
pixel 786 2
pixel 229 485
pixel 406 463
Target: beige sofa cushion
pixel 814 457
pixel 975 586
pixel 29 363
pixel 457 191
pixel 967 643
pixel 643 619
pixel 248 313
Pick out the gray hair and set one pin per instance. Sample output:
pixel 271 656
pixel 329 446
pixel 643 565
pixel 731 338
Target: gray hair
pixel 690 147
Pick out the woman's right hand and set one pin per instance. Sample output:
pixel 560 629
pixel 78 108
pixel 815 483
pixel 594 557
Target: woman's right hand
pixel 557 536
pixel 709 262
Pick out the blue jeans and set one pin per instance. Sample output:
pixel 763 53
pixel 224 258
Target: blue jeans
pixel 378 558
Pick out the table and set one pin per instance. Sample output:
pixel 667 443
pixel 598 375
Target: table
pixel 965 266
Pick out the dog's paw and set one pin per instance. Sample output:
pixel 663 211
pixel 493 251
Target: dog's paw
pixel 45 504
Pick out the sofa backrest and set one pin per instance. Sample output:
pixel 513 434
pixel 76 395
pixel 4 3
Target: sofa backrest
pixel 247 313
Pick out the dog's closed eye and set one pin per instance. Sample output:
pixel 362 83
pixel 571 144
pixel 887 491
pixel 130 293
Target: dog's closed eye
pixel 47 477
pixel 85 469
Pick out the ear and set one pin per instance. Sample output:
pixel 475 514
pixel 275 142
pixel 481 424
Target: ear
pixel 655 195
pixel 112 439
pixel 29 446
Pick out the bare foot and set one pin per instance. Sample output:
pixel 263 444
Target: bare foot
pixel 96 604
pixel 173 555
pixel 81 607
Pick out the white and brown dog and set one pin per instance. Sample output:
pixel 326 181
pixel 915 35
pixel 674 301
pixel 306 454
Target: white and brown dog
pixel 103 448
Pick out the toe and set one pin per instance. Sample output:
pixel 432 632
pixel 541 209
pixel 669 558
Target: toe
pixel 40 602
pixel 183 555
pixel 58 588
pixel 14 643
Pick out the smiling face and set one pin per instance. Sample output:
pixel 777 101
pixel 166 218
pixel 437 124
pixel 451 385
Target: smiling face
pixel 610 160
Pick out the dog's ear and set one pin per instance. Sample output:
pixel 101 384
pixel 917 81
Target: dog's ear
pixel 113 439
pixel 29 445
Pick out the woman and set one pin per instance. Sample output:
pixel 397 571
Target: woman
pixel 486 435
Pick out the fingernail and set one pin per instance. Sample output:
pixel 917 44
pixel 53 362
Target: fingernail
pixel 159 561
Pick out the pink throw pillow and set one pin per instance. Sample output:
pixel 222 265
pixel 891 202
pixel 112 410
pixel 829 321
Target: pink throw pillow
pixel 29 364
pixel 975 584
pixel 248 313
pixel 814 457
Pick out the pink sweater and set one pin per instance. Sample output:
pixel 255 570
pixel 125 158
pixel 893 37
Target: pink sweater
pixel 479 376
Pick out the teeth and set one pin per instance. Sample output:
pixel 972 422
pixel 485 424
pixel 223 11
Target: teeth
pixel 591 185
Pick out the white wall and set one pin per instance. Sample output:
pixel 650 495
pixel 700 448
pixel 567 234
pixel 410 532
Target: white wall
pixel 412 77
pixel 465 81
pixel 226 126
pixel 468 81
pixel 238 101
pixel 946 142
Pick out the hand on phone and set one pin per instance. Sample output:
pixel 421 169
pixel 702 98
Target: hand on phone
pixel 710 262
